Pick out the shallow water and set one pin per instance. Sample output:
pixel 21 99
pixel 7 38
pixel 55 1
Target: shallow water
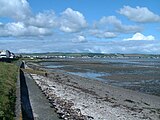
pixel 92 75
pixel 54 66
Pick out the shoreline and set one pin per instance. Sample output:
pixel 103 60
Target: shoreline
pixel 134 76
pixel 96 100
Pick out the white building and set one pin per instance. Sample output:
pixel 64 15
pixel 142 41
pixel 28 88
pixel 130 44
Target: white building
pixel 6 54
pixel 12 55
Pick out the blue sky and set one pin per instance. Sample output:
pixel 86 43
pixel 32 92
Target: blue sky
pixel 104 26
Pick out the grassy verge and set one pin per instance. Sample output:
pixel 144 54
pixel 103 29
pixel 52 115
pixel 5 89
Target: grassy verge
pixel 8 77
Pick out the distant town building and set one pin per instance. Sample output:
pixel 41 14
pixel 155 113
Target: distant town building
pixel 6 54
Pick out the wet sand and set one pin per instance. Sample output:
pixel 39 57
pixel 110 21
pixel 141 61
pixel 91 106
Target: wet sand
pixel 93 99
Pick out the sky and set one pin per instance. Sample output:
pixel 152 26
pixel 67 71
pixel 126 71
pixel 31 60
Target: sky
pixel 97 26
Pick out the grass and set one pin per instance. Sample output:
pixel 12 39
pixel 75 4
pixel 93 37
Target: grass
pixel 8 77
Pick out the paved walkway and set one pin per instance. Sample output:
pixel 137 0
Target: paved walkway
pixel 35 106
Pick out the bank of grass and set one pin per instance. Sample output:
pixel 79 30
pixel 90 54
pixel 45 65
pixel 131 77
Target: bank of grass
pixel 8 77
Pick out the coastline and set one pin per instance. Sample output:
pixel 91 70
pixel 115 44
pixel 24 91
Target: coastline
pixel 136 75
pixel 93 99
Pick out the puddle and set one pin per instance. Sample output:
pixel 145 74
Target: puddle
pixel 92 75
pixel 54 66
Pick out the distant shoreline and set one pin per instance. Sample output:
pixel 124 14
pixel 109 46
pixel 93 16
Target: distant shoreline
pixel 51 55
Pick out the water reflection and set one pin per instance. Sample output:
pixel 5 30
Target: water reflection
pixel 92 75
pixel 54 66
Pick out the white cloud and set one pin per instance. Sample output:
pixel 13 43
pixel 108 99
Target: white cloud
pixel 72 21
pixel 110 20
pixel 110 27
pixel 19 10
pixel 114 24
pixel 42 23
pixel 20 29
pixel 79 39
pixel 22 50
pixel 45 19
pixel 102 34
pixel 16 9
pixel 139 36
pixel 26 24
pixel 150 47
pixel 108 35
pixel 139 14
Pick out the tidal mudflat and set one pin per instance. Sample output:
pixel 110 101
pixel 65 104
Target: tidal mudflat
pixel 139 74
pixel 77 97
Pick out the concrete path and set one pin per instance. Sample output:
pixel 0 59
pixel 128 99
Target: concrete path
pixel 35 106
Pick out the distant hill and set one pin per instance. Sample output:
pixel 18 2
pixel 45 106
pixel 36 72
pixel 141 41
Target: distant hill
pixel 101 55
